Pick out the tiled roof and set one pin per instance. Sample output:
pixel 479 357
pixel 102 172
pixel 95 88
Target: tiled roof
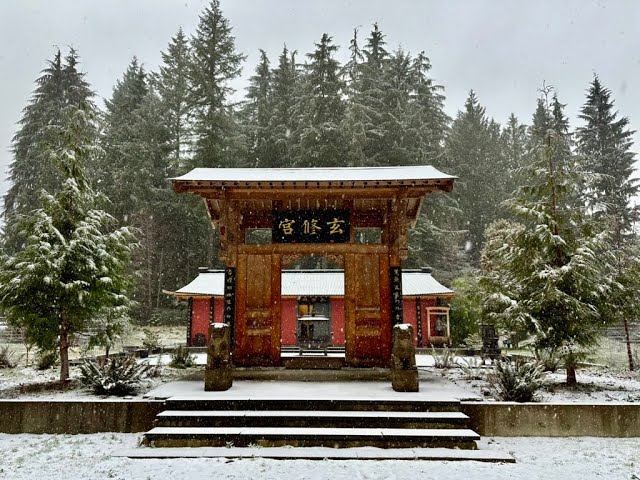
pixel 327 283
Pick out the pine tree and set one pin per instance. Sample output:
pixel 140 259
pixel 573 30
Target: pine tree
pixel 214 63
pixel 119 174
pixel 320 111
pixel 551 273
pixel 31 171
pixel 514 141
pixel 604 144
pixel 72 266
pixel 473 150
pixel 172 85
pixel 257 113
pixel 283 101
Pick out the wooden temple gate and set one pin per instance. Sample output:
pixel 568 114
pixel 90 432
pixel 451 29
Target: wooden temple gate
pixel 313 211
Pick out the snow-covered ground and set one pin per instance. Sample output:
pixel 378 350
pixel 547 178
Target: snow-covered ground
pixel 595 384
pixel 89 456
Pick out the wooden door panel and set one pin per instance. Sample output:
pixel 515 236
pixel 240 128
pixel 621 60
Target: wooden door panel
pixel 257 339
pixel 367 322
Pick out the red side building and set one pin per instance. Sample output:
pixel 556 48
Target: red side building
pixel 313 307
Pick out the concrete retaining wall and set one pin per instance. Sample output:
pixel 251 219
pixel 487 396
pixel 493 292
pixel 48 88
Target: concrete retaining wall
pixel 506 419
pixel 501 419
pixel 77 416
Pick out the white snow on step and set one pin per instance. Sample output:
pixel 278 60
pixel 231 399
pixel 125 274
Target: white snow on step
pixel 319 432
pixel 319 453
pixel 312 413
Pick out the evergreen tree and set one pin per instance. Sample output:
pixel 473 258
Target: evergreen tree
pixel 473 154
pixel 604 144
pixel 119 174
pixel 551 273
pixel 31 171
pixel 72 266
pixel 257 115
pixel 172 85
pixel 214 63
pixel 319 139
pixel 514 141
pixel 283 101
pixel 431 122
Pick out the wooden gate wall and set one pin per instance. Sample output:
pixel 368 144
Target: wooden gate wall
pixel 387 199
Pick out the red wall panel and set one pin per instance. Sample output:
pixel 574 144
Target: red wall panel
pixel 337 321
pixel 289 319
pixel 200 318
pixel 409 316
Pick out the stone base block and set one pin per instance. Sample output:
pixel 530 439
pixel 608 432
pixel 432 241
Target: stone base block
pixel 218 380
pixel 405 380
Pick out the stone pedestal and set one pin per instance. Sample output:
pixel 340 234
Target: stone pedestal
pixel 404 372
pixel 218 374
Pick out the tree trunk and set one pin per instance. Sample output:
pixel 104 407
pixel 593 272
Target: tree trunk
pixel 628 340
pixel 64 350
pixel 571 375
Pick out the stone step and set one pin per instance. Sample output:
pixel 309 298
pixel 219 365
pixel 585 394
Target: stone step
pixel 306 418
pixel 309 437
pixel 320 453
pixel 350 404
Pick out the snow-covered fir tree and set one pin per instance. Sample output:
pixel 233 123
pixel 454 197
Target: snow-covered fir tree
pixel 319 139
pixel 172 85
pixel 61 84
pixel 604 145
pixel 285 85
pixel 214 63
pixel 474 155
pixel 551 274
pixel 257 113
pixel 72 266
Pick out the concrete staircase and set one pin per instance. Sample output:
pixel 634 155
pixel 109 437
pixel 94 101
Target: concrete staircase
pixel 312 423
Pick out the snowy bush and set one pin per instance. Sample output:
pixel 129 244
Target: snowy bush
pixel 444 359
pixel 517 381
pixel 471 367
pixel 46 359
pixel 181 358
pixel 118 376
pixel 548 358
pixel 151 340
pixel 7 358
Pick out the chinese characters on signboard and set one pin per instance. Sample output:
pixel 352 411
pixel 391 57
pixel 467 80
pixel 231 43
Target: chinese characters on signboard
pixel 311 226
pixel 229 312
pixel 396 295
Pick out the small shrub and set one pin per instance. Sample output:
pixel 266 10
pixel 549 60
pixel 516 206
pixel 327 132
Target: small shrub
pixel 151 340
pixel 444 359
pixel 46 359
pixel 181 358
pixel 119 376
pixel 517 381
pixel 471 367
pixel 7 358
pixel 549 359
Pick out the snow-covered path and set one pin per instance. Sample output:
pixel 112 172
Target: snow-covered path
pixel 89 456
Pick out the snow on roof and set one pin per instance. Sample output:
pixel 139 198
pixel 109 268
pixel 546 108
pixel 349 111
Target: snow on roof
pixel 326 283
pixel 344 174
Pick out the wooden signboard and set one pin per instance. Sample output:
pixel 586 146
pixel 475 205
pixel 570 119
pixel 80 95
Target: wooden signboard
pixel 229 312
pixel 396 295
pixel 311 226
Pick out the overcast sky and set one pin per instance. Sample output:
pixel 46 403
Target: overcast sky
pixel 504 50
